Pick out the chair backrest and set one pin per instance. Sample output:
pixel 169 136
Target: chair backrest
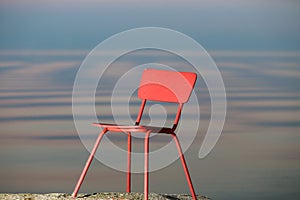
pixel 166 86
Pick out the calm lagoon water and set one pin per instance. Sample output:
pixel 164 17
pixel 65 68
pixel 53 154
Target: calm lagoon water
pixel 257 156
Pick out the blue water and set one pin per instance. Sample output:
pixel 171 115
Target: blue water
pixel 257 156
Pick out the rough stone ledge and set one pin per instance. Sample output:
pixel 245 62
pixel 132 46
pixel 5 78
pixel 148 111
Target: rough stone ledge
pixel 98 196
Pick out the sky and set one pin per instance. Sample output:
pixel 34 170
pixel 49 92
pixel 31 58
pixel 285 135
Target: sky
pixel 230 25
pixel 255 45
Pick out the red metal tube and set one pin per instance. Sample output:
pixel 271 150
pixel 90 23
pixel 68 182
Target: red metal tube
pixel 146 165
pixel 88 163
pixel 128 188
pixel 138 119
pixel 186 171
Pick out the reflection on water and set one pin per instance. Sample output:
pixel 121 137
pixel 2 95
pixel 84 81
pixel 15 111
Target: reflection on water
pixel 256 157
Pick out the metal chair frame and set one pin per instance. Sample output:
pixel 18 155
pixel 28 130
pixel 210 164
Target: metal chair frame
pixel 156 85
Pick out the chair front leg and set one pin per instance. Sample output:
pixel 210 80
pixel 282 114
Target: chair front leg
pixel 128 188
pixel 146 165
pixel 88 163
pixel 185 168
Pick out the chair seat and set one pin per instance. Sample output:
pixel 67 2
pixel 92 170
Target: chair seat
pixel 134 128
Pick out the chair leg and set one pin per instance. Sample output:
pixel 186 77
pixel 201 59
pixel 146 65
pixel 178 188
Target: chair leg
pixel 128 188
pixel 186 171
pixel 146 165
pixel 88 163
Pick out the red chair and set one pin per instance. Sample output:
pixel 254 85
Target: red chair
pixel 156 85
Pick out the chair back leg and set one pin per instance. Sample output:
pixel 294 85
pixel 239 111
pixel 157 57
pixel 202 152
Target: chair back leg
pixel 185 168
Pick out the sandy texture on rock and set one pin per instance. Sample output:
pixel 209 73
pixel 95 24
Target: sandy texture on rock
pixel 99 196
